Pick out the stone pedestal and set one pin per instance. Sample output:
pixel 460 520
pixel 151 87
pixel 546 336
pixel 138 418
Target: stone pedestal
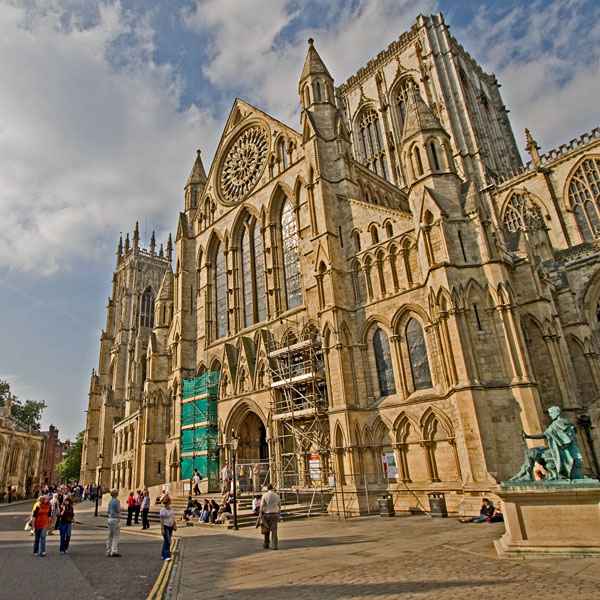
pixel 545 520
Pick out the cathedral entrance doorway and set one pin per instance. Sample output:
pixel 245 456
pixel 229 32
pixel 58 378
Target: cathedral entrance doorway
pixel 252 452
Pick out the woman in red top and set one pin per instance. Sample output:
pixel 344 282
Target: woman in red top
pixel 41 516
pixel 130 508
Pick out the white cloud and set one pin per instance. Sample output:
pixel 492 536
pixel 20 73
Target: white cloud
pixel 547 57
pixel 86 148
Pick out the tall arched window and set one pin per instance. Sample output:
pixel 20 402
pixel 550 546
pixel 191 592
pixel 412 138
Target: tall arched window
pixel 372 143
pixel 291 256
pixel 220 295
pixel 383 363
pixel 584 196
pixel 284 155
pixel 417 354
pixel 253 275
pixel 147 309
pixel 358 283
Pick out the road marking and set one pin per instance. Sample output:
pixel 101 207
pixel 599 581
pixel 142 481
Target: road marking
pixel 156 593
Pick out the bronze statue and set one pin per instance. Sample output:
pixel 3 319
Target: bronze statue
pixel 561 457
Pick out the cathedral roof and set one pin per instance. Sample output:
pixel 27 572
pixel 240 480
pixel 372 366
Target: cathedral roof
pixel 313 64
pixel 165 291
pixel 419 117
pixel 198 174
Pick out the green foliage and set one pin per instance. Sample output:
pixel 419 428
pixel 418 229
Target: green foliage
pixel 28 413
pixel 68 468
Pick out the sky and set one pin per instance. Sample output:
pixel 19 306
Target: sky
pixel 103 105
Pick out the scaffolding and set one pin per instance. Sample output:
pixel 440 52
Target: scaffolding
pixel 299 404
pixel 199 432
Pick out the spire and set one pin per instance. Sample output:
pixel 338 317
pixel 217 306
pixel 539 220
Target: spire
pixel 419 117
pixel 120 250
pixel 161 254
pixel 532 148
pixel 152 244
pixel 313 65
pixel 165 292
pixel 136 235
pixel 198 174
pixel 127 243
pixel 169 248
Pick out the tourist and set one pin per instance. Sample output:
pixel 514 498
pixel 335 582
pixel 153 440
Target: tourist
pixel 191 508
pixel 67 518
pixel 114 527
pixel 41 521
pixel 145 509
pixel 204 511
pixel 270 507
pixel 138 505
pixel 485 513
pixel 130 509
pixel 256 505
pixel 196 481
pixel 226 478
pixel 54 513
pixel 167 526
pixel 214 510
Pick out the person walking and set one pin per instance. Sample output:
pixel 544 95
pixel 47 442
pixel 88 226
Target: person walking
pixel 145 509
pixel 138 506
pixel 270 506
pixel 167 526
pixel 226 478
pixel 196 481
pixel 67 518
pixel 114 527
pixel 41 521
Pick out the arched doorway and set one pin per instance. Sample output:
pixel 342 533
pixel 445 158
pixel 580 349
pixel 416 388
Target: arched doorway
pixel 253 439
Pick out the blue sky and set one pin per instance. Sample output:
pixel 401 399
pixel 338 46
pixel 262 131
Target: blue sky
pixel 103 105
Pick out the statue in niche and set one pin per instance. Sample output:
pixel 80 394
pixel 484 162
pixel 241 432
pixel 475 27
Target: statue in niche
pixel 561 458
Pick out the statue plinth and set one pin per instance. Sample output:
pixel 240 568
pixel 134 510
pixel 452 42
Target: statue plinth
pixel 550 519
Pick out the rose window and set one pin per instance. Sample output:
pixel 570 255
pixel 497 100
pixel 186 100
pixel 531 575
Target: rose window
pixel 244 164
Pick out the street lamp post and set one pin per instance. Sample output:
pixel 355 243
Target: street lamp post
pixel 99 481
pixel 234 444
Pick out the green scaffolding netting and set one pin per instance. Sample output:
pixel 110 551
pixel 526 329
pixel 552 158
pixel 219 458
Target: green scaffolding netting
pixel 199 437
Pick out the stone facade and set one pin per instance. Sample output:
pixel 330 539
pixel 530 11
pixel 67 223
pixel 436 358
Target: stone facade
pixel 21 453
pixel 427 295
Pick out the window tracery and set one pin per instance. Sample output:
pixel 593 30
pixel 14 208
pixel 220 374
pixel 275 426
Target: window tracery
pixel 584 197
pixel 147 309
pixel 401 99
pixel 220 293
pixel 417 354
pixel 372 143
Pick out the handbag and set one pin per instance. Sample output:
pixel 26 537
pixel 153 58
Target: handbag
pixel 28 525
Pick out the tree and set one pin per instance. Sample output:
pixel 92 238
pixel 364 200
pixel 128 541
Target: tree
pixel 68 468
pixel 28 413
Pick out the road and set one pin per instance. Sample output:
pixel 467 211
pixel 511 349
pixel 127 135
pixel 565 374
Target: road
pixel 85 571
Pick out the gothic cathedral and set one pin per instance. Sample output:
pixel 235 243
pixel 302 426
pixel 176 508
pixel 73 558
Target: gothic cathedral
pixel 382 298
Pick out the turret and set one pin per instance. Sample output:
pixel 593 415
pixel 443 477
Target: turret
pixel 170 249
pixel 120 250
pixel 152 244
pixel 195 184
pixel 426 145
pixel 136 235
pixel 533 148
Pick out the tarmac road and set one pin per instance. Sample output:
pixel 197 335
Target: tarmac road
pixel 85 570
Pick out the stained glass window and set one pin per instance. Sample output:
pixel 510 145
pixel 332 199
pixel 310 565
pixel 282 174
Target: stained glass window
pixel 372 143
pixel 291 256
pixel 247 291
pixel 147 311
pixel 220 293
pixel 417 353
pixel 402 98
pixel 259 271
pixel 584 195
pixel 383 362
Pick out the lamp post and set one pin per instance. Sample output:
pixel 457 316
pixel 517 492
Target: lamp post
pixel 234 444
pixel 99 481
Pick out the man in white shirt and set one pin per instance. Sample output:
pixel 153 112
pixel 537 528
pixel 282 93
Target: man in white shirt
pixel 196 482
pixel 270 506
pixel 226 478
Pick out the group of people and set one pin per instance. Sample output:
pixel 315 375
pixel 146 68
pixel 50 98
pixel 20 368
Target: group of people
pixel 166 514
pixel 138 503
pixel 49 514
pixel 488 513
pixel 209 511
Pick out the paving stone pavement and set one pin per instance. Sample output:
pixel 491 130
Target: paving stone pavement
pixel 371 558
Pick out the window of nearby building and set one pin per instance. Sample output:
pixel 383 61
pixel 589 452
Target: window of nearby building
pixel 584 196
pixel 291 256
pixel 372 143
pixel 417 353
pixel 383 362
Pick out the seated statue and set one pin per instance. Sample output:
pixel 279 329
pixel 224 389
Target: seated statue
pixel 561 458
